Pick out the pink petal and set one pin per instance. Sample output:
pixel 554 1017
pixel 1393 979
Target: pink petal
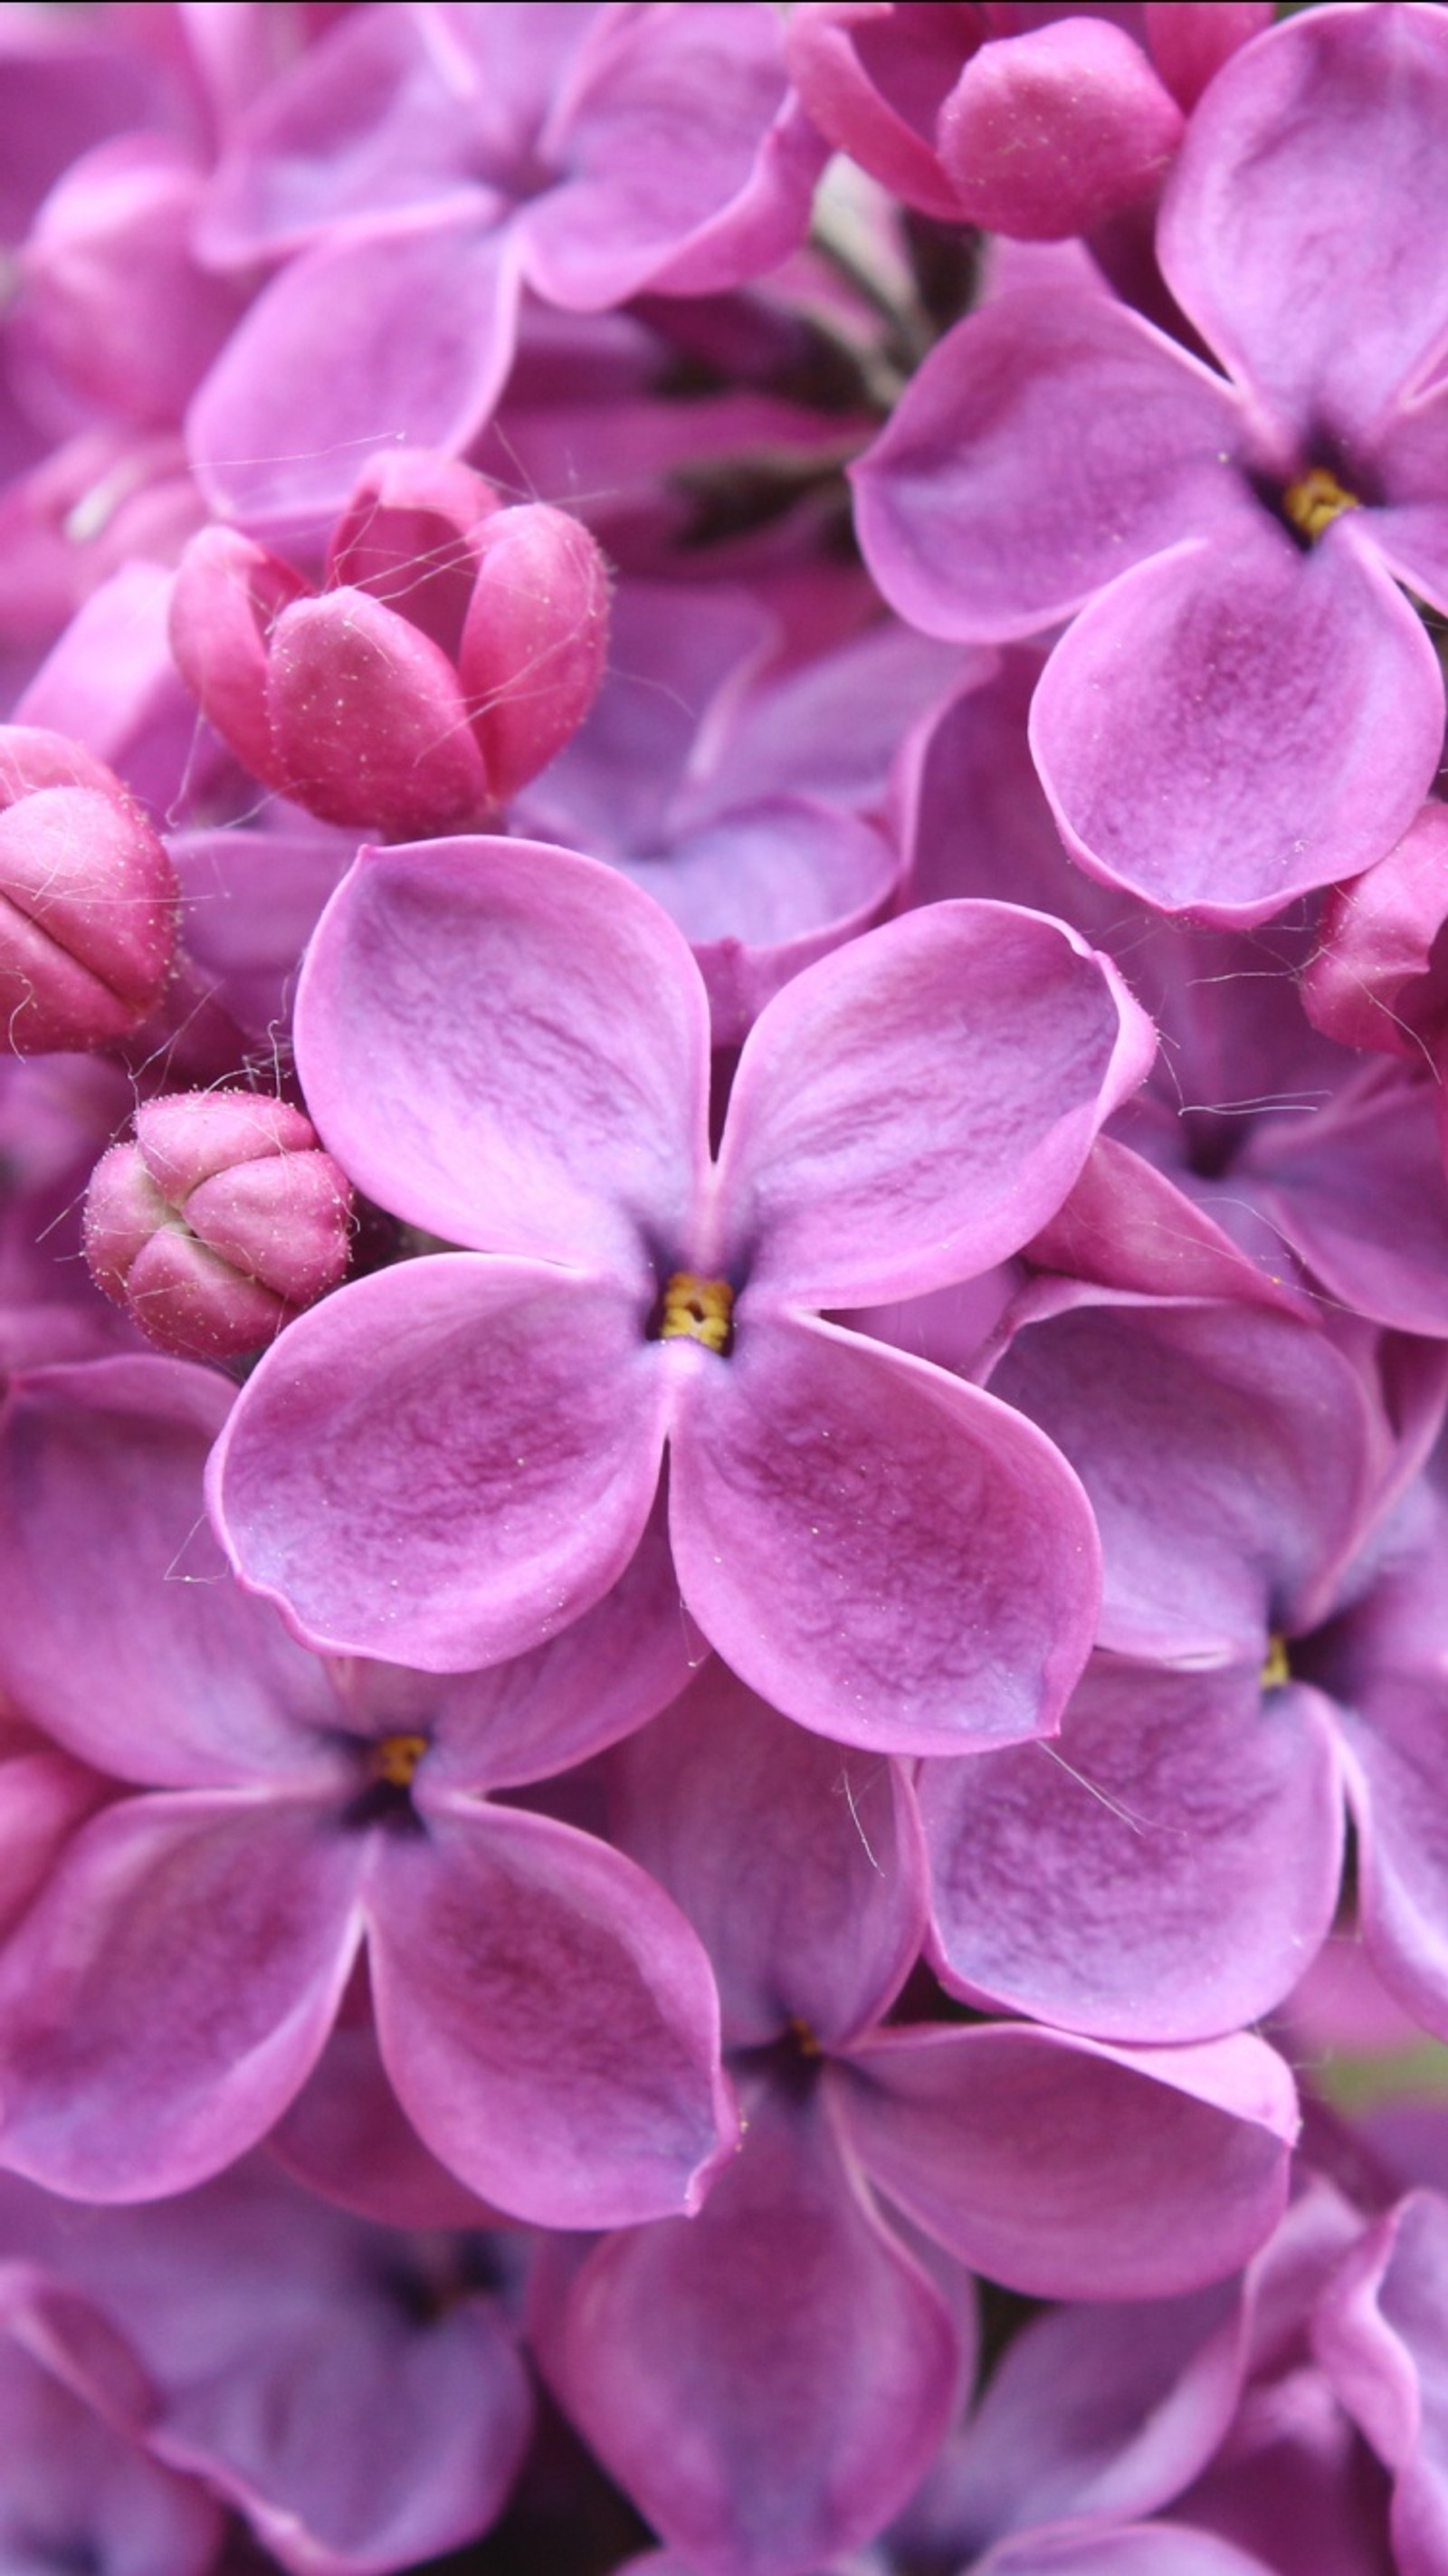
pixel 1073 2171
pixel 1278 715
pixel 171 1991
pixel 883 1552
pixel 446 1462
pixel 1166 1879
pixel 910 1110
pixel 507 1045
pixel 769 2380
pixel 548 2019
pixel 1047 443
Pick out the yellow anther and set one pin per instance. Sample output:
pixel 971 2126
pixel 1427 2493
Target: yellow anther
pixel 804 2037
pixel 1315 500
pixel 1276 1671
pixel 396 1759
pixel 698 1310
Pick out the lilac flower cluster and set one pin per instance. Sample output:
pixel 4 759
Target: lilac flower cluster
pixel 723 1289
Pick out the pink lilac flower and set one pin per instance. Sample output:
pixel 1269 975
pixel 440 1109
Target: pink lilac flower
pixel 770 2380
pixel 452 1459
pixel 1245 706
pixel 546 2016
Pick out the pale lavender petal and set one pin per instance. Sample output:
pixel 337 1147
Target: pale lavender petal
pixel 1074 2171
pixel 1096 2411
pixel 251 901
pixel 508 1045
pixel 909 1111
pixel 343 2385
pixel 684 163
pixel 1399 1778
pixel 1409 524
pixel 1380 2335
pixel 765 891
pixel 355 346
pixel 447 1462
pixel 1358 1192
pixel 1168 1877
pixel 1046 444
pixel 1228 1454
pixel 799 1863
pixel 171 1990
pixel 1290 231
pixel 76 2492
pixel 1280 720
pixel 548 2018
pixel 881 1551
pixel 769 2380
pixel 123 1633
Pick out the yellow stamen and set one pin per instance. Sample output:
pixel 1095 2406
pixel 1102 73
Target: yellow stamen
pixel 697 1310
pixel 396 1759
pixel 805 2039
pixel 1315 500
pixel 1277 1671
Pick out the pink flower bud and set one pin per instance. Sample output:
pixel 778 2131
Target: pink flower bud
pixel 536 640
pixel 219 1223
pixel 456 647
pixel 1048 133
pixel 88 898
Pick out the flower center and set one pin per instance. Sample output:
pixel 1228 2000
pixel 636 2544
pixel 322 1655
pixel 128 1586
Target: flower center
pixel 395 1759
pixel 1276 1672
pixel 698 1310
pixel 1315 500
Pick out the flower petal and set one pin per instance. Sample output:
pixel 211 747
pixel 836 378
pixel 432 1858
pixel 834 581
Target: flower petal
pixel 1072 2171
pixel 886 1554
pixel 548 2019
pixel 445 1463
pixel 508 1045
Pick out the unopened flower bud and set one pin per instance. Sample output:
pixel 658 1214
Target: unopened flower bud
pixel 218 1223
pixel 535 642
pixel 1047 133
pixel 88 898
pixel 456 647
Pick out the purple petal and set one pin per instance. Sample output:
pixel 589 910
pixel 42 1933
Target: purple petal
pixel 446 1462
pixel 801 1867
pixel 1228 1455
pixel 765 891
pixel 1380 2335
pixel 768 2381
pixel 76 2491
pixel 548 2019
pixel 347 2138
pixel 1289 229
pixel 1046 444
pixel 1278 715
pixel 342 2384
pixel 1167 1878
pixel 879 1550
pixel 1099 2412
pixel 123 1633
pixel 910 1110
pixel 507 1045
pixel 355 346
pixel 1073 2171
pixel 171 1991
pixel 684 164
pixel 1159 2549
pixel 1358 1193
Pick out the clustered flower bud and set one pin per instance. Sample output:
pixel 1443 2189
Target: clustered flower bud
pixel 88 899
pixel 218 1222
